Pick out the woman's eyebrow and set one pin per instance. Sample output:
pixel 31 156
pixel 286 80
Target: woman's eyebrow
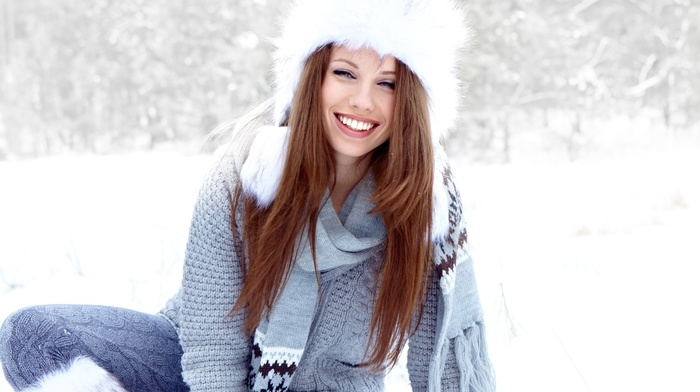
pixel 356 67
pixel 346 61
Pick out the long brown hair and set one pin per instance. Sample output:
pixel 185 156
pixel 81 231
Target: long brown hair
pixel 403 170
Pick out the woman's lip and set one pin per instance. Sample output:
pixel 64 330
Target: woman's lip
pixel 351 132
pixel 358 118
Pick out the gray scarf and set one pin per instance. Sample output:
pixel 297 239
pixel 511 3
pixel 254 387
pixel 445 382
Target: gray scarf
pixel 342 241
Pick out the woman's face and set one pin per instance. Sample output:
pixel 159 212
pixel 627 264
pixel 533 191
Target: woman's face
pixel 357 101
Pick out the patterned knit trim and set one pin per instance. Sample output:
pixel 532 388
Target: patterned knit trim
pixel 271 368
pixel 450 252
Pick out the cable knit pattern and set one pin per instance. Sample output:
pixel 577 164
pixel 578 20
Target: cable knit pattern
pixel 140 350
pixel 339 335
pixel 447 352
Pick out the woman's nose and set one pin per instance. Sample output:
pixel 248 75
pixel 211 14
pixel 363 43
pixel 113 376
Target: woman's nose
pixel 362 98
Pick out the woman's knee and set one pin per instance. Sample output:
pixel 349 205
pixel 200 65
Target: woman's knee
pixel 6 330
pixel 30 345
pixel 21 328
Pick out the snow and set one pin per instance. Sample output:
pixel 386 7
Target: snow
pixel 595 262
pixel 586 270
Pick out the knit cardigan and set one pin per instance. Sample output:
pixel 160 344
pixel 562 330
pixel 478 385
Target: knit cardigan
pixel 447 351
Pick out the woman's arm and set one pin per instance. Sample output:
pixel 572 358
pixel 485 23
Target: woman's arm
pixel 216 351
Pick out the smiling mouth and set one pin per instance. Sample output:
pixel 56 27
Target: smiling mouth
pixel 355 125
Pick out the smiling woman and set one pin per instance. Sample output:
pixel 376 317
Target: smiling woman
pixel 357 106
pixel 357 102
pixel 327 236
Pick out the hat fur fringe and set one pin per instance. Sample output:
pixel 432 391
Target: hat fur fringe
pixel 429 36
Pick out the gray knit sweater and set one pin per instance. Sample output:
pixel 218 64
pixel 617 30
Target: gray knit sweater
pixel 447 352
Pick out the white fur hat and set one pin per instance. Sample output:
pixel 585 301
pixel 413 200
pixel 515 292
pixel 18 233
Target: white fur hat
pixel 426 35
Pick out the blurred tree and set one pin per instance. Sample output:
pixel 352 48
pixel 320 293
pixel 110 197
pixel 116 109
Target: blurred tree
pixel 6 39
pixel 107 75
pixel 103 75
pixel 662 41
pixel 534 60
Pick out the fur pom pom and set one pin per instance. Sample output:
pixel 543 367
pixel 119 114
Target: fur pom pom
pixel 80 375
pixel 261 172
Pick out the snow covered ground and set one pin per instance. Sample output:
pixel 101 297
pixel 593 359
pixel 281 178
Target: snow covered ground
pixel 587 270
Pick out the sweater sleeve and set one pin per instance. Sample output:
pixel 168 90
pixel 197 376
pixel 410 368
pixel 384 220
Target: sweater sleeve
pixel 216 352
pixel 448 351
pixel 171 311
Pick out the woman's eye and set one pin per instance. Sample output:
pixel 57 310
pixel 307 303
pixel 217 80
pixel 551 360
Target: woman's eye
pixel 343 73
pixel 388 84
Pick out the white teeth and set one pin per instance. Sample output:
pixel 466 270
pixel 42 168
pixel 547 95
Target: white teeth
pixel 354 124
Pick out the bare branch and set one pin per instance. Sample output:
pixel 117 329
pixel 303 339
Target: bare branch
pixel 642 6
pixel 581 7
pixel 642 87
pixel 685 26
pixel 602 45
pixel 648 64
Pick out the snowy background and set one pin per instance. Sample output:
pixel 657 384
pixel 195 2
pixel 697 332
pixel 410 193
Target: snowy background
pixel 587 270
pixel 577 157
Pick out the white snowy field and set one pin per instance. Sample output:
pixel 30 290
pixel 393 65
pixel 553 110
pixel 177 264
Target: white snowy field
pixel 587 270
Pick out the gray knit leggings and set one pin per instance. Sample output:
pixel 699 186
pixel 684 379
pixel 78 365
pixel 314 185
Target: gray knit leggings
pixel 141 350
